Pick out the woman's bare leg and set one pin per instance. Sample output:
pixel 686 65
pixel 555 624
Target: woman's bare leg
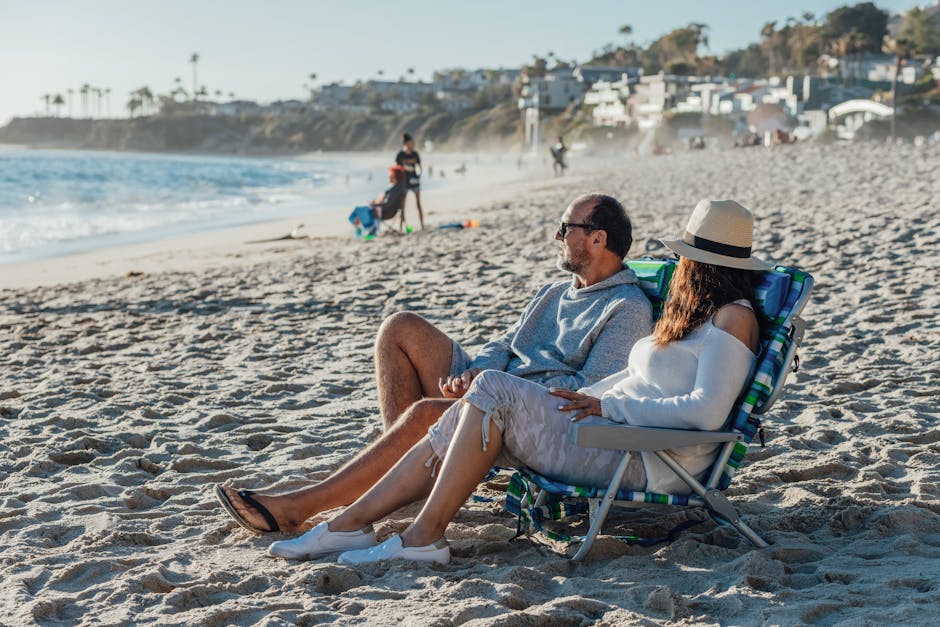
pixel 465 465
pixel 408 481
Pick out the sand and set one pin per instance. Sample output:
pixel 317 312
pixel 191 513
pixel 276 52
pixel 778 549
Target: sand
pixel 123 399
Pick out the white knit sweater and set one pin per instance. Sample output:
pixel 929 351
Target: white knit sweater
pixel 688 384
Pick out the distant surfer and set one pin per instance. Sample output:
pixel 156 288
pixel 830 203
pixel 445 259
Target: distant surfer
pixel 558 156
pixel 409 159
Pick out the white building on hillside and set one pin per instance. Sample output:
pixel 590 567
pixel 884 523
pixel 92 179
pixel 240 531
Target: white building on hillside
pixel 650 100
pixel 655 94
pixel 609 100
pixel 237 107
pixel 482 78
pixel 284 107
pixel 333 94
pixel 709 98
pixel 592 74
pixel 403 90
pixel 553 92
pixel 868 67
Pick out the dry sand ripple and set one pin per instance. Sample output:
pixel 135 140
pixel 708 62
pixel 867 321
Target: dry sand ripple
pixel 122 401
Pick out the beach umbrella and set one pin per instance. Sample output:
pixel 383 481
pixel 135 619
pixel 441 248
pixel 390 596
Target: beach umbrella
pixel 768 117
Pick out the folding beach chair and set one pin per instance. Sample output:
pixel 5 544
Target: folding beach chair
pixel 367 219
pixel 781 296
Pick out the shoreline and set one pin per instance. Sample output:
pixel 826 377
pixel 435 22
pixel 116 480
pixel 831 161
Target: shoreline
pixel 450 201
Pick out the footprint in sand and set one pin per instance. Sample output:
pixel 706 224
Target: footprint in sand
pixel 72 458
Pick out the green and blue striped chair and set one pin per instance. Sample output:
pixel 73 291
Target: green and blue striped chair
pixel 781 296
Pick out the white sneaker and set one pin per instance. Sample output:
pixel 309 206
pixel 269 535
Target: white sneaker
pixel 320 541
pixel 392 549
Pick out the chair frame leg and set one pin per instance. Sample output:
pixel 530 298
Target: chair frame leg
pixel 717 503
pixel 598 519
pixel 540 498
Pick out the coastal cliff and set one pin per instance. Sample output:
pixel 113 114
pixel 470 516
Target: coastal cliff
pixel 283 134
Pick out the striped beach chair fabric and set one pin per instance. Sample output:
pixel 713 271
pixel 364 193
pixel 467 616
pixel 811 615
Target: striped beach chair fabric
pixel 781 296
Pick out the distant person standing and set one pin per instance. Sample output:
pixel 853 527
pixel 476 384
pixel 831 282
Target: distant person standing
pixel 558 155
pixel 409 159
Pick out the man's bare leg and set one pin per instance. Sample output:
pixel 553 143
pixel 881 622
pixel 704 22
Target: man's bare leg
pixel 352 480
pixel 411 357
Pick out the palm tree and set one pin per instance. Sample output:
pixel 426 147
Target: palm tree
pixel 99 94
pixel 70 92
pixel 194 59
pixel 58 101
pixel 86 88
pixel 133 104
pixel 849 45
pixel 769 43
pixel 231 95
pixel 46 98
pixel 901 49
pixel 107 94
pixel 146 98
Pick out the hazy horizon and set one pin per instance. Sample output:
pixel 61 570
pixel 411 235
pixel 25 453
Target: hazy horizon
pixel 268 53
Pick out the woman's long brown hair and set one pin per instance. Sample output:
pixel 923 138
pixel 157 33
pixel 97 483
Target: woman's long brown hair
pixel 696 292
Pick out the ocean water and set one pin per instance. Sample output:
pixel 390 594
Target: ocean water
pixel 60 202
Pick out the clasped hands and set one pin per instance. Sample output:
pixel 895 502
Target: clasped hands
pixel 456 387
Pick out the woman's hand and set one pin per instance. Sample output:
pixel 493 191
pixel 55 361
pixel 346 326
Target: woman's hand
pixel 456 387
pixel 582 403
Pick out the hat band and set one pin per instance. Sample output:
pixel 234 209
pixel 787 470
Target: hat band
pixel 740 252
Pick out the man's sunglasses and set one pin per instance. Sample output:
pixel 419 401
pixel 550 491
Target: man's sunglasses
pixel 564 226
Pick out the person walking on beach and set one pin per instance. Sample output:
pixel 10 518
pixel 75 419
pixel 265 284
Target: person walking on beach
pixel 409 159
pixel 573 333
pixel 558 156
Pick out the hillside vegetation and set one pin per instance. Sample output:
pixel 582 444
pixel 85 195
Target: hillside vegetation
pixel 499 126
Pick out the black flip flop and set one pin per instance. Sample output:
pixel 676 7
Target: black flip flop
pixel 246 495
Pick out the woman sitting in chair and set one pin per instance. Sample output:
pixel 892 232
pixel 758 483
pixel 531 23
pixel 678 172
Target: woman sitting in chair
pixel 687 374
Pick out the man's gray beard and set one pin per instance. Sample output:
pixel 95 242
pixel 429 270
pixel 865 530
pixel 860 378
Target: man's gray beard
pixel 568 265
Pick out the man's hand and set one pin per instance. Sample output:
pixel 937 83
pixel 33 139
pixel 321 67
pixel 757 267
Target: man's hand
pixel 582 403
pixel 456 387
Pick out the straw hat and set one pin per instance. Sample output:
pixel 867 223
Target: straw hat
pixel 720 232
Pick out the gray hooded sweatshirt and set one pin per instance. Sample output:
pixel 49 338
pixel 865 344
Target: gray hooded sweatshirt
pixel 569 337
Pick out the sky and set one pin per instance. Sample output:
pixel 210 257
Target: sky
pixel 267 50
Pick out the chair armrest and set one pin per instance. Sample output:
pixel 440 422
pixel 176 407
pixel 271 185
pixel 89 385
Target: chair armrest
pixel 630 438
